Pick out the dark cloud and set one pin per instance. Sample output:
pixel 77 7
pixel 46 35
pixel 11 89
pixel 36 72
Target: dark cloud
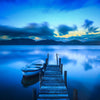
pixel 42 30
pixel 87 23
pixel 93 29
pixel 13 32
pixel 64 29
pixel 33 29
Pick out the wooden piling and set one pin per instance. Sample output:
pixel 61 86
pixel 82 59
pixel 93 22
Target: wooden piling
pixel 44 66
pixel 47 61
pixel 61 68
pixel 40 76
pixel 48 55
pixel 57 58
pixel 34 94
pixel 65 77
pixel 75 94
pixel 59 61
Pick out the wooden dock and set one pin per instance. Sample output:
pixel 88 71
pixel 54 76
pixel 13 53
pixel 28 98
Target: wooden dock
pixel 52 85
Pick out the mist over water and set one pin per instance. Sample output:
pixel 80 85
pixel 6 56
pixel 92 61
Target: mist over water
pixel 81 62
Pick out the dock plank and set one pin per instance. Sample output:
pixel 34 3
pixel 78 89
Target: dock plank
pixel 52 85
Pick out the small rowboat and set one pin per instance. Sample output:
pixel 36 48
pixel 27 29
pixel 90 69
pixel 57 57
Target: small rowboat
pixel 33 69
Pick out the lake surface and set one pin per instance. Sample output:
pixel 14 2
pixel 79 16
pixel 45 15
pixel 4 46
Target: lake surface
pixel 81 62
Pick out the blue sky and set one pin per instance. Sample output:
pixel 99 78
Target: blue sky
pixel 57 13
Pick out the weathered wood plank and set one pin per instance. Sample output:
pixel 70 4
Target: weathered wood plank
pixel 53 86
pixel 56 72
pixel 52 78
pixel 45 91
pixel 58 87
pixel 53 95
pixel 60 76
pixel 53 99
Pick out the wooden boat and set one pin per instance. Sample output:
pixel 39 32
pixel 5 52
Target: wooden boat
pixel 33 69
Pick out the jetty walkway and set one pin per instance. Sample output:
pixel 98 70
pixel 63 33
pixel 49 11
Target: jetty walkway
pixel 52 85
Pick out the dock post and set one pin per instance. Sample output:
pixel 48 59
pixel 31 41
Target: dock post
pixel 48 56
pixel 65 77
pixel 59 62
pixel 61 68
pixel 40 78
pixel 57 58
pixel 75 94
pixel 47 61
pixel 34 94
pixel 44 66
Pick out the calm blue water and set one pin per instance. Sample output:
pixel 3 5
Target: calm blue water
pixel 81 62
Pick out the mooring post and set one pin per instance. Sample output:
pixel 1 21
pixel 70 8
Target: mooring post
pixel 44 66
pixel 65 77
pixel 40 78
pixel 61 68
pixel 48 55
pixel 57 58
pixel 47 61
pixel 34 94
pixel 75 94
pixel 59 62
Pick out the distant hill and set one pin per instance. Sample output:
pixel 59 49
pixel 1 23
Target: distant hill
pixel 17 42
pixel 46 42
pixel 74 42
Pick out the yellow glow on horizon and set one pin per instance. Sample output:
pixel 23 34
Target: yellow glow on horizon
pixel 73 33
pixel 37 38
pixel 4 37
pixel 56 32
pixel 95 33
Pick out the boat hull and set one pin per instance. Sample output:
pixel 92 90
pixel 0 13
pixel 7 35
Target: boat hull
pixel 27 74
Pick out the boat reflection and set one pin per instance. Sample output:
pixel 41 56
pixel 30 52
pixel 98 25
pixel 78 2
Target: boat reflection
pixel 28 81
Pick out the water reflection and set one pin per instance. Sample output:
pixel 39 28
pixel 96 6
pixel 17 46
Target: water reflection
pixel 95 95
pixel 67 60
pixel 28 81
pixel 87 66
pixel 83 92
pixel 81 62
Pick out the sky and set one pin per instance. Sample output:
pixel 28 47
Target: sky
pixel 60 20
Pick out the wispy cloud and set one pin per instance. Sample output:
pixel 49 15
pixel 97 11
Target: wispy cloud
pixel 88 24
pixel 66 5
